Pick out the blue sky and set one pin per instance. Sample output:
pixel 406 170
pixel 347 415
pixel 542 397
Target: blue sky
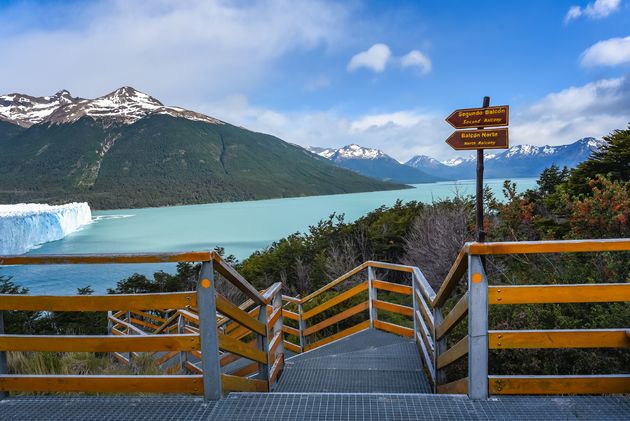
pixel 380 74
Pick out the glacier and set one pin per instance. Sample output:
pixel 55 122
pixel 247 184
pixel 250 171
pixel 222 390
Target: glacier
pixel 24 226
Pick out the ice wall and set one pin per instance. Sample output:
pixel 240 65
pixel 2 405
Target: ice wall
pixel 26 225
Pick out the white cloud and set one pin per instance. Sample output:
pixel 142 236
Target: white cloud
pixel 598 9
pixel 179 51
pixel 610 52
pixel 374 58
pixel 379 56
pixel 416 59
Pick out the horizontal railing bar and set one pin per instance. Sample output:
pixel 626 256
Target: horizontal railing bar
pixel 275 315
pixel 569 338
pixel 457 387
pixel 275 369
pixel 428 360
pixel 342 334
pixel 394 308
pixel 454 353
pixel 290 315
pixel 291 347
pixel 160 301
pixel 333 283
pixel 357 289
pixel 458 269
pixel 70 259
pixel 559 385
pixel 148 316
pixel 337 318
pixel 458 312
pixel 393 328
pixel 228 358
pixel 190 316
pixel 246 370
pixel 119 322
pixel 247 304
pixel 241 384
pixel 105 343
pixel 290 299
pixel 167 323
pixel 544 294
pixel 560 246
pixel 143 323
pixel 225 307
pixel 237 347
pixel 102 384
pixel 391 266
pixel 290 331
pixel 392 287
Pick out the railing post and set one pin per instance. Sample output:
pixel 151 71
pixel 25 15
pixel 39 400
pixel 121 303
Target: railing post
pixel 477 329
pixel 277 303
pixel 130 355
pixel 415 305
pixel 440 347
pixel 371 297
pixel 263 343
pixel 208 332
pixel 4 368
pixel 301 327
pixel 183 356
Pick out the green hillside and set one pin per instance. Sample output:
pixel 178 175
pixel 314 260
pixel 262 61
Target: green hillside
pixel 158 161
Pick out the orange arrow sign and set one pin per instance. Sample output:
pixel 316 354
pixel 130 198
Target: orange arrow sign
pixel 479 117
pixel 462 140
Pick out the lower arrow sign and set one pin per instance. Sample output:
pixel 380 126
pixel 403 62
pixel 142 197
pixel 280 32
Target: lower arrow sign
pixel 479 139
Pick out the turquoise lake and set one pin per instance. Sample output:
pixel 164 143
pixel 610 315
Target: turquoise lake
pixel 239 227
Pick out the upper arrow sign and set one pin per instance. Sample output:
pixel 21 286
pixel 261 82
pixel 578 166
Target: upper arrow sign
pixel 480 117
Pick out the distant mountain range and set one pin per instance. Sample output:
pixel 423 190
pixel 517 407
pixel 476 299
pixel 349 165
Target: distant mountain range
pixel 374 163
pixel 517 161
pixel 126 149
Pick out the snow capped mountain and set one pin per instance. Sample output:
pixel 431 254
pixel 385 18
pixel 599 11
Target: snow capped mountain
pixel 125 105
pixel 517 161
pixel 26 110
pixel 373 163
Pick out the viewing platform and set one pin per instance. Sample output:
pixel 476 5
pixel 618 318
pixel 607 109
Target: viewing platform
pixel 358 348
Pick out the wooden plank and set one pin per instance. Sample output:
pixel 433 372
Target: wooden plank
pixel 146 315
pixel 391 266
pixel 392 328
pixel 357 289
pixel 236 279
pixel 457 351
pixel 564 246
pixel 276 368
pixel 102 384
pixel 69 259
pixel 559 385
pixel 291 347
pixel 98 302
pixel 229 344
pixel 566 338
pixel 240 384
pixel 459 268
pixel 118 323
pixel 336 318
pixel 334 283
pixel 389 286
pixel 193 367
pixel 453 317
pixel 228 358
pixel 274 343
pixel 394 308
pixel 457 387
pixel 190 316
pixel 142 323
pixel 541 294
pixel 290 331
pixel 167 356
pixel 290 299
pixel 427 315
pixel 105 343
pixel 247 370
pixel 247 304
pixel 290 315
pixel 274 317
pixel 167 324
pixel 349 331
pixel 225 307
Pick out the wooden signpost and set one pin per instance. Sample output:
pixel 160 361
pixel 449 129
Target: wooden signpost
pixel 480 139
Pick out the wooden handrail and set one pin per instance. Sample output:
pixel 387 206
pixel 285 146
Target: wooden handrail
pixel 271 292
pixel 560 246
pixel 236 279
pixel 457 270
pixel 189 256
pixel 334 283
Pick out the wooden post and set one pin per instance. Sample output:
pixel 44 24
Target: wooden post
pixel 481 235
pixel 371 297
pixel 183 356
pixel 208 333
pixel 277 303
pixel 4 368
pixel 477 329
pixel 263 344
pixel 301 327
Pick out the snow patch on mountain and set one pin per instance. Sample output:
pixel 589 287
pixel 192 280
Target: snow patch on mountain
pixel 24 226
pixel 352 151
pixel 125 105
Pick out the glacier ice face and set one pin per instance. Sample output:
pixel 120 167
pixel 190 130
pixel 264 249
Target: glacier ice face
pixel 27 225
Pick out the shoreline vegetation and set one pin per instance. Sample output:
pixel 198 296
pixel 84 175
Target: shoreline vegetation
pixel 590 201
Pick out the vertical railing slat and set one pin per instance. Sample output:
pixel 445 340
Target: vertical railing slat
pixel 4 368
pixel 263 343
pixel 208 332
pixel 477 329
pixel 371 297
pixel 301 327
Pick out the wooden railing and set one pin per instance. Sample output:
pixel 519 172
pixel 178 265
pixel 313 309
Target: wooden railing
pixel 201 329
pixel 474 303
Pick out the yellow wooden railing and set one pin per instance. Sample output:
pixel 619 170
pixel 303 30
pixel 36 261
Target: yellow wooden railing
pixel 201 328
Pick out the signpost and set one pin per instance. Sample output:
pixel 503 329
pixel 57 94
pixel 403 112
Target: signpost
pixel 478 140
